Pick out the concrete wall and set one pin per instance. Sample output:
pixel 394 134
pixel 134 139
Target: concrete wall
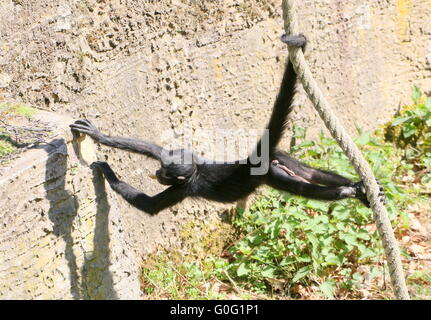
pixel 139 68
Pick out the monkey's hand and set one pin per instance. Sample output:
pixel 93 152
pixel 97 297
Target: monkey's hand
pixel 86 127
pixel 362 196
pixel 106 169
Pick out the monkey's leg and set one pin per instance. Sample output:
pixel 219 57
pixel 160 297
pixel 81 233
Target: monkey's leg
pixel 279 179
pixel 328 178
pixel 307 174
pixel 310 174
pixel 129 144
pixel 138 199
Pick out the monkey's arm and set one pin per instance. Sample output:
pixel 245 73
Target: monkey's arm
pixel 138 199
pixel 150 149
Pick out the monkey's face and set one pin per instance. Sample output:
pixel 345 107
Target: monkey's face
pixel 169 176
pixel 176 167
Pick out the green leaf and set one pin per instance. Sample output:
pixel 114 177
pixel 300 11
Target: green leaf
pixel 304 258
pixel 287 261
pixel 408 130
pixel 340 226
pixel 255 240
pixel 405 219
pixel 363 139
pixel 341 213
pixel 416 94
pixel 299 132
pixel 244 248
pixel 363 234
pixel 273 228
pixel 358 277
pixel 426 178
pixel 269 272
pixel 349 239
pixel 332 260
pixel 301 273
pixel 397 121
pixel 328 288
pixel 366 253
pixel 428 103
pixel 317 205
pixel 243 270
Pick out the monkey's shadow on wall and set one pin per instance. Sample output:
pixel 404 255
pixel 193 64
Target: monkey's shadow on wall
pixel 94 280
pixel 96 276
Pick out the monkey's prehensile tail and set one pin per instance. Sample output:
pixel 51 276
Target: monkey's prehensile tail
pixel 283 103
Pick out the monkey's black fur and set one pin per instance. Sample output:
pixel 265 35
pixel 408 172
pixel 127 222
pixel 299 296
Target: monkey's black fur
pixel 227 182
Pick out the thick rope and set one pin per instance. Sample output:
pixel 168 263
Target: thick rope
pixel 349 147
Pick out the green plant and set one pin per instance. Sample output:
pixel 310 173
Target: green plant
pixel 6 147
pixel 420 281
pixel 411 131
pixel 74 169
pixel 164 278
pixel 17 109
pixel 302 241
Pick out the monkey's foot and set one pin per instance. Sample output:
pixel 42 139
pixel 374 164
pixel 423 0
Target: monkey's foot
pixel 294 41
pixel 362 196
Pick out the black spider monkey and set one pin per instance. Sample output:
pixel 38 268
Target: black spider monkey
pixel 228 182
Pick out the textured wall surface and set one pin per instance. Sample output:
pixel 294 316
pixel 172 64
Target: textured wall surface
pixel 139 68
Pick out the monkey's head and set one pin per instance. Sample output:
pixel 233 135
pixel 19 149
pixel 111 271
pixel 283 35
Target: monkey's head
pixel 177 167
